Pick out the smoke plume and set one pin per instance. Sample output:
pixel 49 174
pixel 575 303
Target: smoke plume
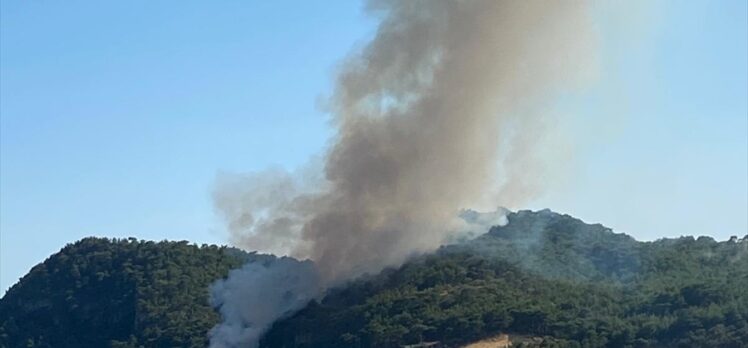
pixel 442 110
pixel 286 285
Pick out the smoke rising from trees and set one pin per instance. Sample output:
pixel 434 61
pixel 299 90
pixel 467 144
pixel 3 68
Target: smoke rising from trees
pixel 437 113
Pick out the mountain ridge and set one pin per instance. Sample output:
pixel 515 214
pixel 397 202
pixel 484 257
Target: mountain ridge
pixel 543 274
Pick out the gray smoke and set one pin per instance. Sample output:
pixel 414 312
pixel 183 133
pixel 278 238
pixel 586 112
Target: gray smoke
pixel 440 111
pixel 248 310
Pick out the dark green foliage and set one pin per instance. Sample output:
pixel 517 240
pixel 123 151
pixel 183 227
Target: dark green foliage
pixel 561 247
pixel 119 293
pixel 546 275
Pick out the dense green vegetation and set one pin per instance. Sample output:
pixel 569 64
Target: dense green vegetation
pixel 544 275
pixel 118 293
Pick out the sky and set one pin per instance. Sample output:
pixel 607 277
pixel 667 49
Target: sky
pixel 116 117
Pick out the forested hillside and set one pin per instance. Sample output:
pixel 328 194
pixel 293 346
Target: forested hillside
pixel 545 275
pixel 118 293
pixel 548 275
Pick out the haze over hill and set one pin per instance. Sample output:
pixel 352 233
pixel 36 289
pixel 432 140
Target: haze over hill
pixel 442 109
pixel 114 123
pixel 542 275
pixel 444 105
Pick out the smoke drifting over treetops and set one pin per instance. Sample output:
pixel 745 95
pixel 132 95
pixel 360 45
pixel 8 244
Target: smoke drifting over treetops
pixel 437 113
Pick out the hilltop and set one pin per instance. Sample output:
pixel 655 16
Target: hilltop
pixel 101 292
pixel 550 278
pixel 543 274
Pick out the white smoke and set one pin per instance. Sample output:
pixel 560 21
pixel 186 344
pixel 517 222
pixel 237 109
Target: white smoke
pixel 256 295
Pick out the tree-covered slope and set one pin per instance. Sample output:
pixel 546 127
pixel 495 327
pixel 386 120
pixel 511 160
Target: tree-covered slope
pixel 120 293
pixel 543 274
pixel 562 247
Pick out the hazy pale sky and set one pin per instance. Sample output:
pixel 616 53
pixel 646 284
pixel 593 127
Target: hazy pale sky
pixel 116 116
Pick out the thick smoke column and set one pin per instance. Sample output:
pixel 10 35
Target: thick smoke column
pixel 437 113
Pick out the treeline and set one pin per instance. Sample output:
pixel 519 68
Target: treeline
pixel 545 275
pixel 117 293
